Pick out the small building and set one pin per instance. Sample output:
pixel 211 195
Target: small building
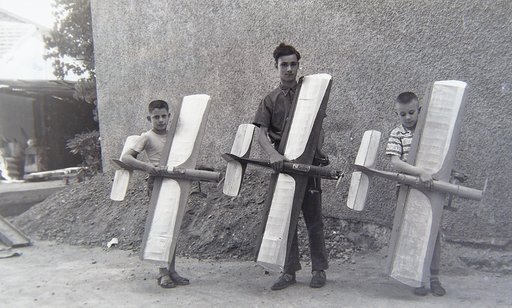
pixel 46 113
pixel 33 105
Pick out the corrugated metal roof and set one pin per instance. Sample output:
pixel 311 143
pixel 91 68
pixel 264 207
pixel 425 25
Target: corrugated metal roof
pixel 60 89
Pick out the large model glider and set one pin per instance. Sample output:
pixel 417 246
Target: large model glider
pixel 418 212
pixel 171 191
pixel 287 188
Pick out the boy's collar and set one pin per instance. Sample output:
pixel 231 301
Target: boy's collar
pixel 286 89
pixel 406 129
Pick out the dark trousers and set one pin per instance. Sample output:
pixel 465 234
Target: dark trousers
pixel 312 212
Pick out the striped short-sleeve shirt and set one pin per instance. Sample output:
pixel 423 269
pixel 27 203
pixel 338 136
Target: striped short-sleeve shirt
pixel 399 142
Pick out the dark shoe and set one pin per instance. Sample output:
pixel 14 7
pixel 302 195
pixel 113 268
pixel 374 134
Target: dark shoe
pixel 177 279
pixel 283 282
pixel 165 282
pixel 436 288
pixel 421 291
pixel 318 279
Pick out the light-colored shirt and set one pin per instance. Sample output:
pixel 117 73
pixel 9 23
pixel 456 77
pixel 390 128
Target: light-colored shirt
pixel 153 144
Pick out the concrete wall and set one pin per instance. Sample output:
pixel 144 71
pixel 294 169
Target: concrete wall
pixel 374 50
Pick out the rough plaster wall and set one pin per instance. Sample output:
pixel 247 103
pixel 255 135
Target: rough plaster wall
pixel 374 50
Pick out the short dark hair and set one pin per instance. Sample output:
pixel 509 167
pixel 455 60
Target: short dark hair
pixel 158 104
pixel 285 50
pixel 406 97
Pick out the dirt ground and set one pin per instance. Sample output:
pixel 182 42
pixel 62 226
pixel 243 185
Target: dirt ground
pixel 48 274
pixel 69 264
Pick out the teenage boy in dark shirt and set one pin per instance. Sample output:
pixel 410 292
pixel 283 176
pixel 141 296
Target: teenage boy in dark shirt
pixel 270 118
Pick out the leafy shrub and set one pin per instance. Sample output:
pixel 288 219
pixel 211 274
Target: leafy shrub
pixel 89 148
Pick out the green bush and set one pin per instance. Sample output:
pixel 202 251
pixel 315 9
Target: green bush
pixel 87 145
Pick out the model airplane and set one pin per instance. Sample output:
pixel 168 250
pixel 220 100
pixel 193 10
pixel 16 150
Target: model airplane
pixel 171 190
pixel 418 212
pixel 286 188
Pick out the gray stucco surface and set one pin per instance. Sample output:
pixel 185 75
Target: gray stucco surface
pixel 374 50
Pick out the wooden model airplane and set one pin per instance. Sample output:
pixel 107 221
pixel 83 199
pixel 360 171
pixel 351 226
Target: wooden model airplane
pixel 418 212
pixel 171 191
pixel 287 188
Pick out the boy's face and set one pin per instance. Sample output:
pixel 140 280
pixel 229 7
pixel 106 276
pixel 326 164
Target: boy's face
pixel 408 113
pixel 159 117
pixel 288 67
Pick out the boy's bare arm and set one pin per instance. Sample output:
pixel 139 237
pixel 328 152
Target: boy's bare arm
pixel 425 177
pixel 130 158
pixel 276 159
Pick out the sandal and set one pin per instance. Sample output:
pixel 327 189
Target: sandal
pixel 177 279
pixel 165 281
pixel 436 288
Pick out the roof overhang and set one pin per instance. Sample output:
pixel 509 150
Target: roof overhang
pixel 59 89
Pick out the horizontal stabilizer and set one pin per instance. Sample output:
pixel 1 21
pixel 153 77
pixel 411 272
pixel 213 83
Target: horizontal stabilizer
pixel 360 182
pixel 235 169
pixel 122 177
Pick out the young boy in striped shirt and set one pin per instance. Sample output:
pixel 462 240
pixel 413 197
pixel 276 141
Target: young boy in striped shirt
pixel 399 143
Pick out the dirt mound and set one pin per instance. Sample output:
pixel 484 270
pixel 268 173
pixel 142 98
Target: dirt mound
pixel 214 226
pixel 83 214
